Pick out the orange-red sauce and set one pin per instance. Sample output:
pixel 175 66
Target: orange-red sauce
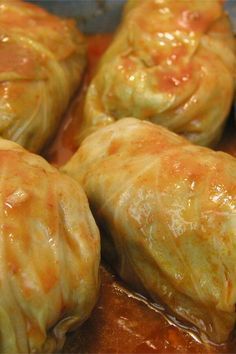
pixel 64 144
pixel 122 323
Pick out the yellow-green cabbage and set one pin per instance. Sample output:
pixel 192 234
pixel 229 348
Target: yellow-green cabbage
pixel 49 254
pixel 167 212
pixel 42 59
pixel 171 62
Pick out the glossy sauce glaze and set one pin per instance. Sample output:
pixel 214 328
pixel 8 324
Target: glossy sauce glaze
pixel 64 144
pixel 121 321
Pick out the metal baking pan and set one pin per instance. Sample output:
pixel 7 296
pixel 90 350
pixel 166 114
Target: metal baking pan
pixel 97 16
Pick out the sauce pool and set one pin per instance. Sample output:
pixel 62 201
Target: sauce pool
pixel 122 322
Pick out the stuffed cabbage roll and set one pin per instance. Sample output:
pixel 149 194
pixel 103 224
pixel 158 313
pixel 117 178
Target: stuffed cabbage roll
pixel 167 212
pixel 49 254
pixel 41 61
pixel 171 63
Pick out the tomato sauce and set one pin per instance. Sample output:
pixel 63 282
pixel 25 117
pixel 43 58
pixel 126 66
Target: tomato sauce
pixel 64 144
pixel 123 322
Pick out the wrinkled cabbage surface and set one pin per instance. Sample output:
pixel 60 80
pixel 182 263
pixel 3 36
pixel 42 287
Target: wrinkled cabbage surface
pixel 42 59
pixel 167 211
pixel 172 63
pixel 49 253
